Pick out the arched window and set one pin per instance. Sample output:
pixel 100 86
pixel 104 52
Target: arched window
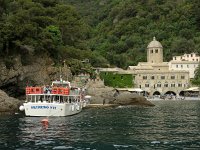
pixel 166 84
pixel 158 84
pixel 146 84
pixel 156 51
pixel 173 85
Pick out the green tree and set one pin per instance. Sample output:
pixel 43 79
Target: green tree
pixel 196 80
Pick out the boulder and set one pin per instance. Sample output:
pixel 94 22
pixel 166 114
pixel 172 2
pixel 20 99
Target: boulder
pixel 101 94
pixel 127 98
pixel 8 105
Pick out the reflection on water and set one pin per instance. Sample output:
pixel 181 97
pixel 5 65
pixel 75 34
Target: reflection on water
pixel 168 125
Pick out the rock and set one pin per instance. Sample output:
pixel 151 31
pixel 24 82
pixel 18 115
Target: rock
pixel 21 71
pixel 34 70
pixel 100 93
pixel 8 105
pixel 127 98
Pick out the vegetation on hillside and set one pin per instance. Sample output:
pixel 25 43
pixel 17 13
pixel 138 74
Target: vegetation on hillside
pixel 42 27
pixel 106 32
pixel 121 30
pixel 117 80
pixel 196 80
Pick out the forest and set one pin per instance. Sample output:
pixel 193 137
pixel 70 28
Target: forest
pixel 106 33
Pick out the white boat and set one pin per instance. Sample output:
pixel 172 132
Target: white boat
pixel 59 99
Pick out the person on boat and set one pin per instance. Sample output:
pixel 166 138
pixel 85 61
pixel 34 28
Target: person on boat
pixel 47 89
pixel 44 89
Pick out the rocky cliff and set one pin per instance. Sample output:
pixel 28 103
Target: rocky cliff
pixel 15 77
pixel 8 105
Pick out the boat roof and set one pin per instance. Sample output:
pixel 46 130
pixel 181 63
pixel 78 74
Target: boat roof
pixel 61 83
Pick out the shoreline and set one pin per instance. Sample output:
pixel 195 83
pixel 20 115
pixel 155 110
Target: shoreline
pixel 100 105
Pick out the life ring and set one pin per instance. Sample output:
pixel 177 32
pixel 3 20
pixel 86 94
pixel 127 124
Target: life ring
pixel 21 108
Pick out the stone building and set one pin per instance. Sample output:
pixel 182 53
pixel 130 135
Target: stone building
pixel 155 77
pixel 187 62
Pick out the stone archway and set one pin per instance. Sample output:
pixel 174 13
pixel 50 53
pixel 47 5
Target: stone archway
pixel 156 93
pixel 170 93
pixel 181 93
pixel 146 93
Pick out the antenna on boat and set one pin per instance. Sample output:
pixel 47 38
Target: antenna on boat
pixel 64 68
pixel 61 75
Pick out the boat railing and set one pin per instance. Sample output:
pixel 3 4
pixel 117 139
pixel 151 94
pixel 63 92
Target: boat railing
pixel 53 90
pixel 50 98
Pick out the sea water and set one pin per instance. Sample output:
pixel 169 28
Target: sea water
pixel 168 125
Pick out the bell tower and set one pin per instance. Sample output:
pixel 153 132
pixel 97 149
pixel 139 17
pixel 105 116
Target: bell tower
pixel 154 52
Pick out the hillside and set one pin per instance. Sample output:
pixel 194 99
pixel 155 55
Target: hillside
pixel 121 30
pixel 105 32
pixel 42 28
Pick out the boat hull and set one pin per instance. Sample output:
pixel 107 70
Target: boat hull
pixel 52 109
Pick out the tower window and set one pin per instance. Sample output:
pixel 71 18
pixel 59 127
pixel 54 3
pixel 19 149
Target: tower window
pixel 151 51
pixel 146 85
pixel 156 50
pixel 152 77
